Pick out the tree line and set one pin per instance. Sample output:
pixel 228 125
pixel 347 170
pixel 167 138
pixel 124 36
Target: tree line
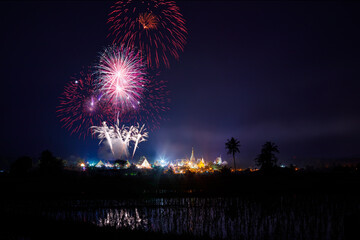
pixel 48 164
pixel 266 160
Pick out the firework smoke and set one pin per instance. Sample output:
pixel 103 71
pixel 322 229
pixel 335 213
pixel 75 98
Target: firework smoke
pixel 104 132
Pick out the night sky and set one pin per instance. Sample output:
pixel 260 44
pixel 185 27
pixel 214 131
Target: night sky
pixel 287 72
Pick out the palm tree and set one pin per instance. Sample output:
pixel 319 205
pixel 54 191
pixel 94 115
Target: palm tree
pixel 267 159
pixel 233 146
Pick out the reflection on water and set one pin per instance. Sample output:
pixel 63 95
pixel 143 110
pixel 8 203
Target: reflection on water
pixel 290 217
pixel 123 219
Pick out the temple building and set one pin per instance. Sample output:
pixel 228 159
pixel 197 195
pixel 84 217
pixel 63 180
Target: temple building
pixel 100 164
pixel 192 158
pixel 143 163
pixel 201 163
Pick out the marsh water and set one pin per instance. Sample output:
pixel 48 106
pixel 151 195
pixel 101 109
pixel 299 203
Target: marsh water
pixel 244 217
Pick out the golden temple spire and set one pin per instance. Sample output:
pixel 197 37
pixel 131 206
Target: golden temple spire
pixel 192 158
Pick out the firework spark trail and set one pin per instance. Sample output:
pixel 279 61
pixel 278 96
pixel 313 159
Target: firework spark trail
pixel 153 106
pixel 104 132
pixel 82 106
pixel 139 136
pixel 121 76
pixel 123 136
pixel 156 27
pixel 126 134
pixel 120 134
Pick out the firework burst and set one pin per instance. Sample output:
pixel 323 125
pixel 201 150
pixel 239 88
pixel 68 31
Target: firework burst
pixel 121 78
pixel 152 108
pixel 139 135
pixel 156 27
pixel 148 20
pixel 82 105
pixel 104 133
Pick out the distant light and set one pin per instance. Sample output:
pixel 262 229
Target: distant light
pixel 76 81
pixel 282 165
pixel 163 162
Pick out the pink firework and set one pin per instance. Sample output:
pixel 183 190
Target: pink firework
pixel 156 27
pixel 82 106
pixel 121 78
pixel 152 108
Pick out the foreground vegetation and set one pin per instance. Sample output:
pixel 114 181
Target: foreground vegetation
pixel 287 198
pixel 281 197
pixel 124 183
pixel 253 207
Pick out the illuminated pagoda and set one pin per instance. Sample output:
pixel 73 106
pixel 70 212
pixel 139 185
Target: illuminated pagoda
pixel 201 163
pixel 100 164
pixel 143 163
pixel 192 162
pixel 192 158
pixel 108 164
pixel 218 161
pixel 181 166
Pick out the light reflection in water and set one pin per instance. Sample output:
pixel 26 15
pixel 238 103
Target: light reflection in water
pixel 123 219
pixel 312 217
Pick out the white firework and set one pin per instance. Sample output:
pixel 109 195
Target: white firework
pixel 121 76
pixel 104 132
pixel 139 135
pixel 121 137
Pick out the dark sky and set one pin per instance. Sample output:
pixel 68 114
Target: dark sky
pixel 257 71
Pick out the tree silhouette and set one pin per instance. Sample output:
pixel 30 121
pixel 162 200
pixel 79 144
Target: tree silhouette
pixel 21 166
pixel 233 146
pixel 267 159
pixel 50 164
